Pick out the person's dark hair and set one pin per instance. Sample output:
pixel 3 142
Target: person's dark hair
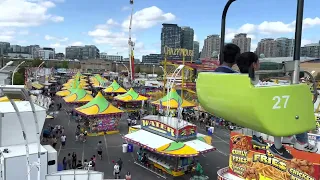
pixel 231 52
pixel 245 60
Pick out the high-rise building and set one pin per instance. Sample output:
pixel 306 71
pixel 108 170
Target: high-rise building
pixel 242 41
pixel 46 53
pixel 59 56
pixel 187 35
pixel 33 50
pixel 152 58
pixel 170 36
pixel 15 48
pixel 107 57
pixel 73 52
pixel 311 50
pixel 211 44
pixel 82 52
pixel 196 48
pixel 4 48
pixel 268 47
pixel 285 47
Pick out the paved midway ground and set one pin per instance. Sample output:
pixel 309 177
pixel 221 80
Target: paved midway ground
pixel 211 162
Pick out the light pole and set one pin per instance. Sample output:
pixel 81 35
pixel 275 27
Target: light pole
pixel 8 64
pixel 14 71
pixel 153 70
pixel 126 69
pixel 38 70
pixel 164 71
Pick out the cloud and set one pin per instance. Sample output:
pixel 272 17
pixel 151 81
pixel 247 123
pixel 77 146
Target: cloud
pixel 115 35
pixel 52 38
pixel 57 19
pixel 147 18
pixel 23 32
pixel 77 43
pixel 306 41
pixel 195 37
pixel 109 24
pixel 271 28
pixel 26 13
pixel 125 8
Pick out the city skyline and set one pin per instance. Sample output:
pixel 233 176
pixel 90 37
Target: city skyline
pixel 61 23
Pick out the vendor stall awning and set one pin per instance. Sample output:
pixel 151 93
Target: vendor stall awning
pixel 115 88
pixel 166 146
pixel 78 96
pixel 199 146
pixel 98 106
pixel 145 138
pixel 177 149
pixel 130 96
pixel 172 100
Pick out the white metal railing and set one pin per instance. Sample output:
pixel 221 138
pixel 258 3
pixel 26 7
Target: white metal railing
pixel 76 175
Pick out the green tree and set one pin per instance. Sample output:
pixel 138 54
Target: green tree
pixel 65 64
pixel 36 62
pixel 18 79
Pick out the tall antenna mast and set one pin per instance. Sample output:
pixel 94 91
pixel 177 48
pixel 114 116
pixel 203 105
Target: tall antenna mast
pixel 131 45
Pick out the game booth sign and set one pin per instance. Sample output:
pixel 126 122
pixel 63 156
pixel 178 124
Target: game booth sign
pixel 153 125
pixel 248 161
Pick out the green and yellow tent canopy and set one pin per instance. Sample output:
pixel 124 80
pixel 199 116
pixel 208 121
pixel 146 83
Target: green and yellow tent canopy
pixel 79 75
pixel 78 96
pixel 173 101
pixel 98 81
pixel 130 96
pixel 68 92
pixel 97 107
pixel 177 149
pixel 114 88
pixel 82 86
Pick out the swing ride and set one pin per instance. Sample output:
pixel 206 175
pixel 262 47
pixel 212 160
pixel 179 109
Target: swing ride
pixel 278 110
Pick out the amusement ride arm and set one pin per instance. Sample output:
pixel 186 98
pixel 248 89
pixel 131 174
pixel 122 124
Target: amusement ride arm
pixel 26 142
pixel 38 134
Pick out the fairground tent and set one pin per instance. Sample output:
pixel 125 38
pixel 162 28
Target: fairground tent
pixel 98 106
pixel 78 96
pixel 130 96
pixel 74 86
pixel 79 75
pixel 172 100
pixel 114 88
pixel 98 81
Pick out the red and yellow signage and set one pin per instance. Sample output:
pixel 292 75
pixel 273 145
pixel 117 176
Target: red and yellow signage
pixel 257 163
pixel 188 131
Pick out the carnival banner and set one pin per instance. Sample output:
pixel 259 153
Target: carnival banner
pixel 252 162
